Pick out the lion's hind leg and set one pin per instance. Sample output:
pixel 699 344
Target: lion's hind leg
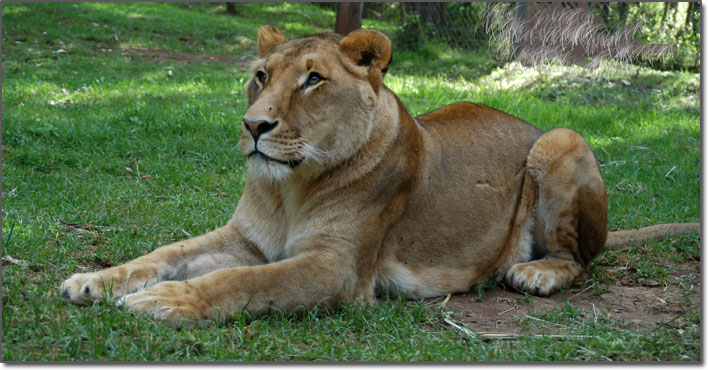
pixel 571 213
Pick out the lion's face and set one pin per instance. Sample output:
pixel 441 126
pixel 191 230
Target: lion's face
pixel 310 105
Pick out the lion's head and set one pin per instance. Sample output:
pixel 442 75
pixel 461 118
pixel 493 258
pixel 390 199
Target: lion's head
pixel 312 100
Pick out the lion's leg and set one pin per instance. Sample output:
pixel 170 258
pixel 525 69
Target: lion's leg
pixel 571 213
pixel 316 277
pixel 223 247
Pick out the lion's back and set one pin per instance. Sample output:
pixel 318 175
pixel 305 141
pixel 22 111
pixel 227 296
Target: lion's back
pixel 472 119
pixel 476 142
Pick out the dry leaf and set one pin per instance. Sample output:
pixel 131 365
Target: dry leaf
pixel 14 261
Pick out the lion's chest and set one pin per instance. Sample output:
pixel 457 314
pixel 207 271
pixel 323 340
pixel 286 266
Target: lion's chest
pixel 260 217
pixel 270 220
pixel 269 236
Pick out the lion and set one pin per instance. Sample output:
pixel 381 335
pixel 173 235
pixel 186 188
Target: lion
pixel 349 197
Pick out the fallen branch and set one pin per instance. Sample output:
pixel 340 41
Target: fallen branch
pixel 89 228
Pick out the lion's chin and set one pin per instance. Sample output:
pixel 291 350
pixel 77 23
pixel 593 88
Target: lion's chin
pixel 263 168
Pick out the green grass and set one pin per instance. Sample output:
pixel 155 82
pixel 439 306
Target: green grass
pixel 78 110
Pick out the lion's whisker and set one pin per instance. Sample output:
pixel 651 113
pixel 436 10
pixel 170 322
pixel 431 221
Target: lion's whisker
pixel 308 150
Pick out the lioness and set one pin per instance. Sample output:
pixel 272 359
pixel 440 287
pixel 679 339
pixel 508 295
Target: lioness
pixel 348 196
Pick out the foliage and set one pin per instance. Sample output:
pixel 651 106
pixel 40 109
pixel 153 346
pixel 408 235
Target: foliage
pixel 462 25
pixel 98 135
pixel 455 24
pixel 677 23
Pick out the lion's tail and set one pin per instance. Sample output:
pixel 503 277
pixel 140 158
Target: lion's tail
pixel 616 239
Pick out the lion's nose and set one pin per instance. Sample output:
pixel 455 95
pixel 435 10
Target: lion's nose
pixel 257 128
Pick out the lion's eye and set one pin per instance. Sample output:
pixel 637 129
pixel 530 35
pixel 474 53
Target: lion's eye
pixel 261 76
pixel 313 79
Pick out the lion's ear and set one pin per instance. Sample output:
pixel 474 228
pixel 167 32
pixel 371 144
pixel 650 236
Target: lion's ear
pixel 367 47
pixel 269 38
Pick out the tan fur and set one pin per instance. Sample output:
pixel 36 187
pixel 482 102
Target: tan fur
pixel 349 196
pixel 269 38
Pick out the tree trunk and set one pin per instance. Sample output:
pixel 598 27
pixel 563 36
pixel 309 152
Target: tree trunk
pixel 623 10
pixel 695 26
pixel 688 23
pixel 231 8
pixel 431 13
pixel 348 17
pixel 605 13
pixel 663 16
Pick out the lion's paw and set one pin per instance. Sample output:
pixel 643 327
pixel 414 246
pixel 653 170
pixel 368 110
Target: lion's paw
pixel 542 277
pixel 85 288
pixel 174 302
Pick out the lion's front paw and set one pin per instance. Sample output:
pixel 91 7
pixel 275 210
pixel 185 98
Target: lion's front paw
pixel 85 288
pixel 174 302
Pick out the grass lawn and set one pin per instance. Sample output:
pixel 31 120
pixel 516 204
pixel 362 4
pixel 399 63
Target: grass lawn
pixel 109 153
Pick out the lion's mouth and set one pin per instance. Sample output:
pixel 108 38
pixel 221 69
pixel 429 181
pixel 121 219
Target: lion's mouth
pixel 291 163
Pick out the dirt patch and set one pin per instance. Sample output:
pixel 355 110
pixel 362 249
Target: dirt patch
pixel 187 57
pixel 642 307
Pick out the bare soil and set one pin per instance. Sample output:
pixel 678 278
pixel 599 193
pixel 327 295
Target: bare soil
pixel 642 306
pixel 187 57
